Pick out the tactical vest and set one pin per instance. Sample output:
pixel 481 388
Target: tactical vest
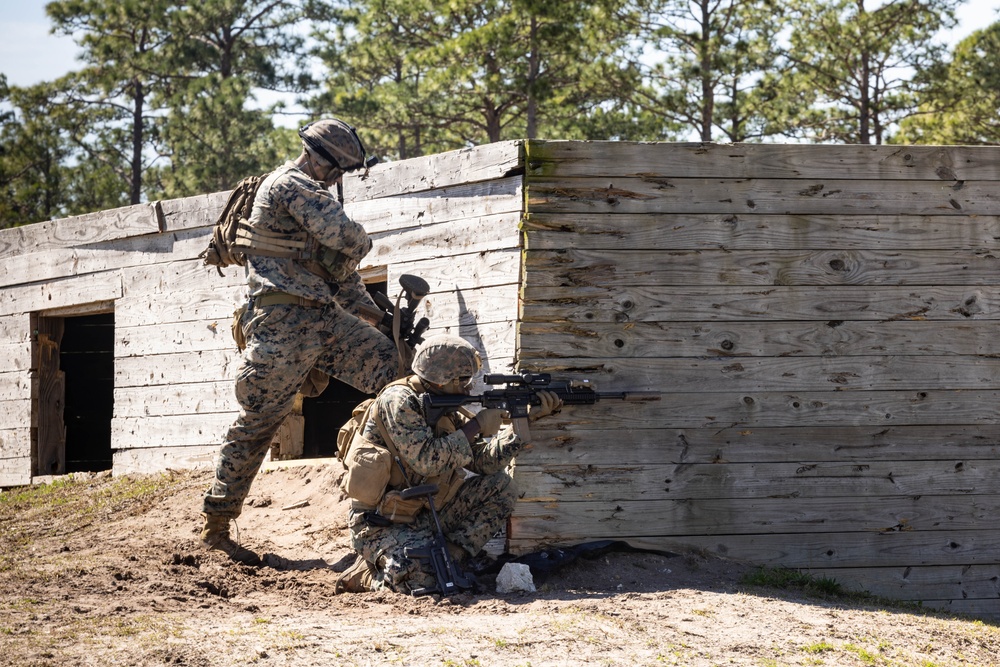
pixel 375 474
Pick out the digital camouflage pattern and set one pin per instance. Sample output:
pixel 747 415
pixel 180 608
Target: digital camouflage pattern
pixel 285 342
pixel 444 357
pixel 287 202
pixel 476 513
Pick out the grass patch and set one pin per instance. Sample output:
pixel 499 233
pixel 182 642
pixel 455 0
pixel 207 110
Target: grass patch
pixel 788 579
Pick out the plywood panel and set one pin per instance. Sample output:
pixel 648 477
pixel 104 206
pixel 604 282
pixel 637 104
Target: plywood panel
pixel 630 268
pixel 947 164
pixel 702 231
pixel 836 338
pixel 566 442
pixel 718 303
pixel 751 374
pixel 822 481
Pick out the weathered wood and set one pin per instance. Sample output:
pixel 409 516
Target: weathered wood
pixel 628 268
pixel 948 582
pixel 144 461
pixel 151 280
pixel 496 339
pixel 636 340
pixel 110 225
pixel 707 516
pixel 193 306
pixel 770 196
pixel 750 374
pixel 704 484
pixel 50 399
pixel 178 367
pixel 777 409
pixel 15 328
pixel 445 241
pixel 15 443
pixel 168 432
pixel 438 206
pixel 15 385
pixel 15 413
pixel 192 336
pixel 14 356
pixel 194 212
pixel 193 399
pixel 60 293
pixel 572 159
pixel 14 471
pixel 712 303
pixel 488 162
pixel 557 444
pixel 691 231
pixel 809 550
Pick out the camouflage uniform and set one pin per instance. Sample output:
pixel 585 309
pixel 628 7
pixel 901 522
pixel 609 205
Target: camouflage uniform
pixel 286 341
pixel 470 519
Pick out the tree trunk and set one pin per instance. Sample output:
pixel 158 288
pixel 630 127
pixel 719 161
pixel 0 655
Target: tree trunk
pixel 138 100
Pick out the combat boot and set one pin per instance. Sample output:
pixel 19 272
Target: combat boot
pixel 358 578
pixel 215 535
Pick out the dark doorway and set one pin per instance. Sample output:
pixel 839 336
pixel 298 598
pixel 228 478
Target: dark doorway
pixel 87 358
pixel 326 413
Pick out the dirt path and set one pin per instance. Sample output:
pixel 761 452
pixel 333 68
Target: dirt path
pixel 107 571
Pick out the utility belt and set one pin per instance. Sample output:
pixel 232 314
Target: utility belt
pixel 284 298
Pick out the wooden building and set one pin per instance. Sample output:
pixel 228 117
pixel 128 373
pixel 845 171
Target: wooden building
pixel 820 320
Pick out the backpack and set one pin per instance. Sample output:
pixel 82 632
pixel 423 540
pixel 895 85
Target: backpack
pixel 221 250
pixel 351 427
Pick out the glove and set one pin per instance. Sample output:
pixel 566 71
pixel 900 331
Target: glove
pixel 489 421
pixel 551 404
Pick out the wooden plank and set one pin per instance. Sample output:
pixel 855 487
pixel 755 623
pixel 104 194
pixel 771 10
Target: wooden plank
pixel 175 277
pixel 628 268
pixel 463 271
pixel 15 385
pixel 191 398
pixel 172 431
pixel 982 608
pixel 171 337
pixel 446 205
pixel 808 551
pixel 775 196
pixel 473 307
pixel 80 230
pixel 705 483
pixel 690 231
pixel 948 582
pixel 193 212
pixel 60 293
pixel 206 304
pixel 494 340
pixel 636 340
pixel 15 471
pixel 710 516
pixel 50 399
pixel 717 303
pixel 622 158
pixel 450 241
pixel 177 367
pixel 15 328
pixel 780 409
pixel 750 374
pixel 15 413
pixel 560 444
pixel 150 460
pixel 15 356
pixel 467 165
pixel 15 443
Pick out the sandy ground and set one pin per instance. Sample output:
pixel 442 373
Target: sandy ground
pixel 107 571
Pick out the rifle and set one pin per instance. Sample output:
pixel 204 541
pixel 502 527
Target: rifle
pixel 385 316
pixel 521 392
pixel 449 576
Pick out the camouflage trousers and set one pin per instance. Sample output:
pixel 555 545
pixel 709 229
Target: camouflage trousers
pixel 470 520
pixel 284 343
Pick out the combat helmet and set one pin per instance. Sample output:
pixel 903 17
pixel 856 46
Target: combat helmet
pixel 443 358
pixel 336 142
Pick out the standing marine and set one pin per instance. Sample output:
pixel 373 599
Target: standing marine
pixel 303 313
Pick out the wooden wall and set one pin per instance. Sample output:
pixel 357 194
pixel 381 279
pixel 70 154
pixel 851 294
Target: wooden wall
pixel 822 322
pixel 452 218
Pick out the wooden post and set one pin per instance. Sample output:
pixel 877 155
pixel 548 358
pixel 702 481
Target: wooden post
pixel 50 449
